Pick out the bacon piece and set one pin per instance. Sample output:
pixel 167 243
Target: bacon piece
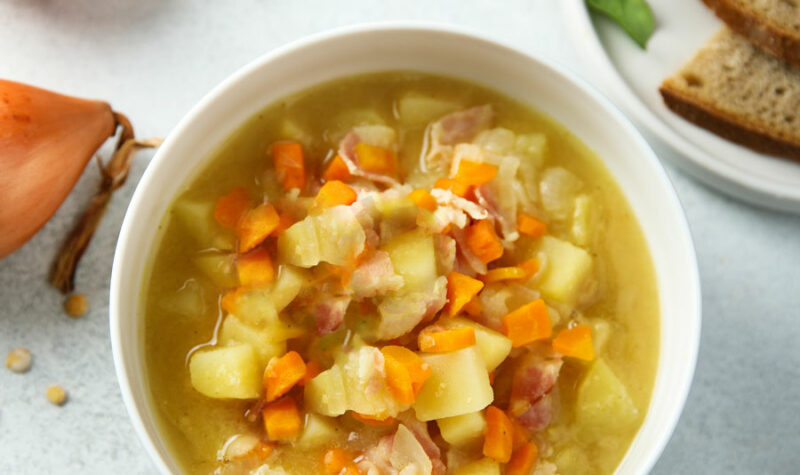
pixel 531 402
pixel 328 310
pixel 468 263
pixel 375 276
pixel 347 151
pixel 442 135
pixel 420 431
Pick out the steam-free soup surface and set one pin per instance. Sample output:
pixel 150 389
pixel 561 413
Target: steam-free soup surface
pixel 401 273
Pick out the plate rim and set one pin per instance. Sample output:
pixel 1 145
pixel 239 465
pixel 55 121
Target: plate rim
pixel 688 157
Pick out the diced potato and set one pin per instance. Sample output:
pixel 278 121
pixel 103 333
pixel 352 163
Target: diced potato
pixel 534 146
pixel 197 217
pixel 226 372
pixel 288 284
pixel 299 244
pixel 493 346
pixel 484 466
pixel 567 268
pixel 365 385
pixel 415 109
pixel 463 430
pixel 408 452
pixel 188 301
pixel 235 331
pixel 459 384
pixel 572 459
pixel 603 405
pixel 498 140
pixel 398 216
pixel 319 431
pixel 267 469
pixel 341 236
pixel 583 220
pixel 402 311
pixel 220 267
pixel 413 258
pixel 256 308
pixel 325 393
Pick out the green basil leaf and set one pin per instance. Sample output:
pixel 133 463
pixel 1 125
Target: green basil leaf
pixel 635 16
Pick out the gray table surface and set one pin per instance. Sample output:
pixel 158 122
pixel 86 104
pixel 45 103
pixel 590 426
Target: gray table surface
pixel 153 59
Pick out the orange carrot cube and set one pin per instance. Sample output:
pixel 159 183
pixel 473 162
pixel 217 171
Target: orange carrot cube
pixel 289 165
pixel 256 225
pixel 461 289
pixel 529 323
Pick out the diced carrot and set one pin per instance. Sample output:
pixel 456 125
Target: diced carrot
pixel 521 434
pixel 498 442
pixel 231 207
pixel 504 273
pixel 529 323
pixel 461 289
pixel 289 165
pixel 474 307
pixel 482 240
pixel 334 461
pixel 256 225
pixel 575 342
pixel 255 268
pixel 337 170
pixel 282 374
pixel 531 267
pixel 435 339
pixel 522 460
pixel 375 159
pixel 475 173
pixel 527 224
pixel 282 419
pixel 455 187
pixel 372 420
pixel 423 199
pixel 285 221
pixel 334 193
pixel 418 369
pixel 398 379
pixel 313 368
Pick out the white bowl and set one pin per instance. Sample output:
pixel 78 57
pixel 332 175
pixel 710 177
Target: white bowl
pixel 362 49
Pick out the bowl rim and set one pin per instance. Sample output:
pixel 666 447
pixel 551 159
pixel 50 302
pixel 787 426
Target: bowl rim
pixel 124 242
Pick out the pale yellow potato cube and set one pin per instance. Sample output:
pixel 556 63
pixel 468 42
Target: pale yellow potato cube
pixel 416 109
pixel 325 394
pixel 319 431
pixel 494 347
pixel 299 245
pixel 227 372
pixel 219 267
pixel 413 257
pixel 197 217
pixel 287 285
pixel 566 269
pixel 603 405
pixel 459 384
pixel 463 430
pixel 235 331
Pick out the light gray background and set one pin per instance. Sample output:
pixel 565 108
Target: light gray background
pixel 153 59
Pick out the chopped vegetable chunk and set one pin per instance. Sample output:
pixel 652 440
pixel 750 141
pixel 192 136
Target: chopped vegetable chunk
pixel 226 372
pixel 505 273
pixel 457 188
pixel 437 340
pixel 575 342
pixel 461 289
pixel 334 193
pixel 376 159
pixel 289 164
pixel 423 199
pixel 483 241
pixel 531 226
pixel 282 419
pixel 464 430
pixel 527 324
pixel 256 225
pixel 255 268
pixel 475 174
pixel 522 460
pixel 282 374
pixel 231 207
pixel 337 170
pixel 498 442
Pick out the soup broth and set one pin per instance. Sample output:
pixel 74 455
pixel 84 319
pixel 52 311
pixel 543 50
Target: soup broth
pixel 591 272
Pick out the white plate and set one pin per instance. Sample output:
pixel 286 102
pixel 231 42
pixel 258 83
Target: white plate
pixel 631 76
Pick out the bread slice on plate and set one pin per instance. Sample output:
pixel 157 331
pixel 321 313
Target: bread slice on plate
pixel 772 25
pixel 737 91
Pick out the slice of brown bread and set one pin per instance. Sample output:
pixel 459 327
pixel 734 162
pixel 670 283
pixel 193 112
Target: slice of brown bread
pixel 737 91
pixel 772 25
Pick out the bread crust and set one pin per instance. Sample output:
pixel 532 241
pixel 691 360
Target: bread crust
pixel 762 33
pixel 728 127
